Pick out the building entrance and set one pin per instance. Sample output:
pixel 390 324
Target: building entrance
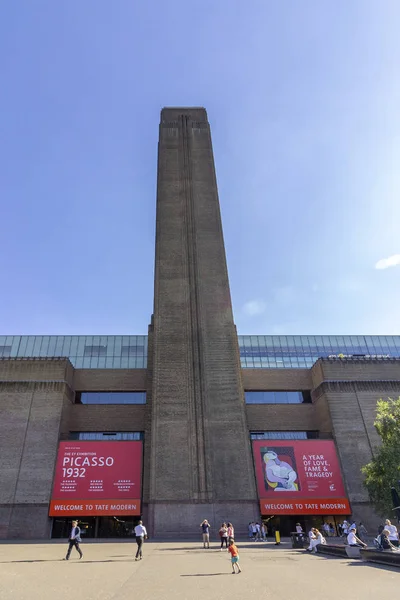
pixel 96 527
pixel 287 524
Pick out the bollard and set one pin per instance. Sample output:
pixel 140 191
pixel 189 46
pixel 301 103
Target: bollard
pixel 277 538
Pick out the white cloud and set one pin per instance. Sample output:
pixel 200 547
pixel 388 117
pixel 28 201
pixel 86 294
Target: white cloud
pixel 391 261
pixel 254 307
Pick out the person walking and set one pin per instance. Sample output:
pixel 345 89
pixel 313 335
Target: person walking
pixel 254 531
pixel 223 534
pixel 234 552
pixel 141 534
pixel 205 526
pixel 393 533
pixel 74 540
pixel 326 529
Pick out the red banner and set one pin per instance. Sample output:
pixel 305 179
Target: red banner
pixel 304 506
pixel 308 470
pixel 98 508
pixel 90 473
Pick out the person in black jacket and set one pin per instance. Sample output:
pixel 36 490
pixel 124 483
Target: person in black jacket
pixel 74 540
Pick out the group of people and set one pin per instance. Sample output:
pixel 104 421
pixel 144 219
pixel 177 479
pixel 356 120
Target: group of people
pixel 75 539
pixel 346 527
pixel 226 534
pixel 257 532
pixel 388 537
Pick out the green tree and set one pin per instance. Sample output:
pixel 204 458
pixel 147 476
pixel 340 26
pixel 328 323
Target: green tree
pixel 383 472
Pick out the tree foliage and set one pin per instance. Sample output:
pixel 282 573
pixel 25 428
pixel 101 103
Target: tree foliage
pixel 383 472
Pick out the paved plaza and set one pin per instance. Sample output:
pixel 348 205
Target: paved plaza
pixel 183 570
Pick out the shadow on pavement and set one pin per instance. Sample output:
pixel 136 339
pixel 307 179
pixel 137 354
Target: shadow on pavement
pixel 217 548
pixel 82 562
pixel 33 560
pixel 205 574
pixel 359 563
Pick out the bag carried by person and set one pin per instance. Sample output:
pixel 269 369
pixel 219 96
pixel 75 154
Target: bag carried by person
pixel 378 543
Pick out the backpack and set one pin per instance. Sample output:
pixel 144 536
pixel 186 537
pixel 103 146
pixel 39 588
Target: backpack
pixel 378 543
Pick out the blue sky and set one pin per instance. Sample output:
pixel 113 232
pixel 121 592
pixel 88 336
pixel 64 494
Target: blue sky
pixel 303 100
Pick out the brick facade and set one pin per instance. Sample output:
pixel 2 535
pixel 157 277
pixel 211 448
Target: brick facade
pixel 197 459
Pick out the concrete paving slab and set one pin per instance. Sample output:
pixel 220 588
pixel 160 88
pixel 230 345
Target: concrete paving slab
pixel 184 571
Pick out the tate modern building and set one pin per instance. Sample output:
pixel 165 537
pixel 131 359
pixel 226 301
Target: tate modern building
pixel 191 421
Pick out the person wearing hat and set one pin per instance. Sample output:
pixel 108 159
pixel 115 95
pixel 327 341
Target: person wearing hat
pixel 353 540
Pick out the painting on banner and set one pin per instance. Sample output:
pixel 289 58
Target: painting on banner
pixel 307 468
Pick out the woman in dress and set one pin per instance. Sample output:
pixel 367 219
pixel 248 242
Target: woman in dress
pixel 231 531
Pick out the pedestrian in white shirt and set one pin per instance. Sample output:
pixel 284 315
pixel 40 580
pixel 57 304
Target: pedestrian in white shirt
pixel 345 528
pixel 141 534
pixel 326 528
pixel 353 540
pixel 393 533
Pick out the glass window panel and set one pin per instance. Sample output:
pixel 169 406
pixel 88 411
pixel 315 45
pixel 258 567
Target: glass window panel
pixel 294 397
pixel 113 397
pixel 73 350
pixel 36 346
pixel 281 398
pixel 117 345
pixel 94 361
pixel 110 346
pixel 81 346
pixel 59 345
pixel 52 346
pixel 23 346
pixel 44 346
pixel 86 363
pixel 15 345
pixel 66 345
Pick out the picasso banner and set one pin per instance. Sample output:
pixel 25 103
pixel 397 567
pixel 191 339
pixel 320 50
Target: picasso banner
pixel 299 477
pixel 97 478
